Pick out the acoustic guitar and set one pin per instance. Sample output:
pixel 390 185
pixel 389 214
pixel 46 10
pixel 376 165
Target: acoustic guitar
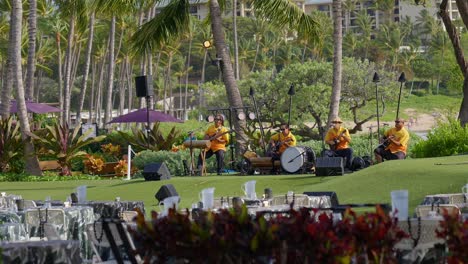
pixel 215 136
pixel 275 149
pixel 336 140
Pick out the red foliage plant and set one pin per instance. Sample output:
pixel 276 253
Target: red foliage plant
pixel 455 233
pixel 299 236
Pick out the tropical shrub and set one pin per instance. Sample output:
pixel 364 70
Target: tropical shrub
pixel 10 145
pixel 448 138
pixel 122 167
pixel 454 232
pixel 302 236
pixel 63 143
pixel 173 160
pixel 153 140
pixel 93 164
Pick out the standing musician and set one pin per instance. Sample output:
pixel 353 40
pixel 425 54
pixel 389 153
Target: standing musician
pixel 338 139
pixel 394 144
pixel 219 137
pixel 279 142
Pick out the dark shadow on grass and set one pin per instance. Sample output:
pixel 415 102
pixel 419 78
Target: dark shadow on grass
pixel 44 189
pixel 125 182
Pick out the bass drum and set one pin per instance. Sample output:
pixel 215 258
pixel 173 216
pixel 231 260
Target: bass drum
pixel 298 158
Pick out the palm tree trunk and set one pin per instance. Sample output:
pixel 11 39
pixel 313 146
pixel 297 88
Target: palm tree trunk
pixel 14 52
pixel 91 100
pixel 37 90
pixel 110 77
pixel 187 77
pixel 32 26
pixel 6 90
pixel 68 68
pixel 232 91
pixel 337 61
pixel 236 41
pixel 84 84
pixel 130 85
pixel 60 75
pixel 458 50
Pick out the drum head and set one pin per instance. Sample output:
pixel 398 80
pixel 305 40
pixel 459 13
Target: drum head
pixel 292 159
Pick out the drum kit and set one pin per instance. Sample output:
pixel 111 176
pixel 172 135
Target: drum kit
pixel 294 160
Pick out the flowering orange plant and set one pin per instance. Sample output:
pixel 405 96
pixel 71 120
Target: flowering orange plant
pixel 122 167
pixel 93 164
pixel 113 150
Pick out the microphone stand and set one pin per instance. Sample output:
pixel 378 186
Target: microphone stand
pixel 192 164
pixel 375 80
pixel 291 92
pixel 262 133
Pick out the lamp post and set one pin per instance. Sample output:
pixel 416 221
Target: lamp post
pixel 291 92
pixel 402 79
pixel 262 133
pixel 376 80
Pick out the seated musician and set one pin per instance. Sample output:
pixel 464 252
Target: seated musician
pixel 394 144
pixel 219 137
pixel 338 139
pixel 279 142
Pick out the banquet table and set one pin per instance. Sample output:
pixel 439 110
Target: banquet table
pixel 112 209
pixel 67 223
pixel 422 241
pixel 41 252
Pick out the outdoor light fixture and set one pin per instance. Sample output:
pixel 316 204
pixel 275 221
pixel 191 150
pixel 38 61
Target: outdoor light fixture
pixel 207 44
pixel 241 116
pixel 402 79
pixel 210 118
pixel 251 115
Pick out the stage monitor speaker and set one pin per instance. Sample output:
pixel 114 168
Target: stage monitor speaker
pixel 329 166
pixel 165 191
pixel 144 86
pixel 156 171
pixel 332 195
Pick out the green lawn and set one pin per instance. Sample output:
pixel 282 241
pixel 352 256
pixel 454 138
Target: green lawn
pixel 371 185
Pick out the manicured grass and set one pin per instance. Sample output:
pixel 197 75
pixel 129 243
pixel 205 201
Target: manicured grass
pixel 371 185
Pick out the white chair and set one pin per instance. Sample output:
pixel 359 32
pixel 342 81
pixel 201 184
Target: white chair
pixel 98 239
pixel 129 216
pixel 423 210
pixel 53 218
pixel 300 200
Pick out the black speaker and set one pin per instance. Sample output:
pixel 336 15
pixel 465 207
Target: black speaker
pixel 144 86
pixel 156 171
pixel 165 191
pixel 329 166
pixel 332 195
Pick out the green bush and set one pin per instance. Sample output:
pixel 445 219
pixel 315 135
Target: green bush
pixel 446 139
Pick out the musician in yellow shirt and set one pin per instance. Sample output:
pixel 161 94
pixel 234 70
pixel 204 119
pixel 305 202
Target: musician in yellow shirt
pixel 219 137
pixel 338 139
pixel 395 143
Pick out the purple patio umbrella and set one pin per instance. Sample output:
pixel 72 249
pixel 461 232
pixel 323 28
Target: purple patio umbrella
pixel 142 116
pixel 33 107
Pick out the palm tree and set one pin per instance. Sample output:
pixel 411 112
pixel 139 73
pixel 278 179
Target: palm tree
pixel 337 61
pixel 364 23
pixel 31 66
pixel 112 8
pixel 14 53
pixel 87 64
pixel 174 19
pixel 454 36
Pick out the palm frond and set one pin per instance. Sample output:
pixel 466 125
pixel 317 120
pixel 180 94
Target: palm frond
pixel 286 13
pixel 173 20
